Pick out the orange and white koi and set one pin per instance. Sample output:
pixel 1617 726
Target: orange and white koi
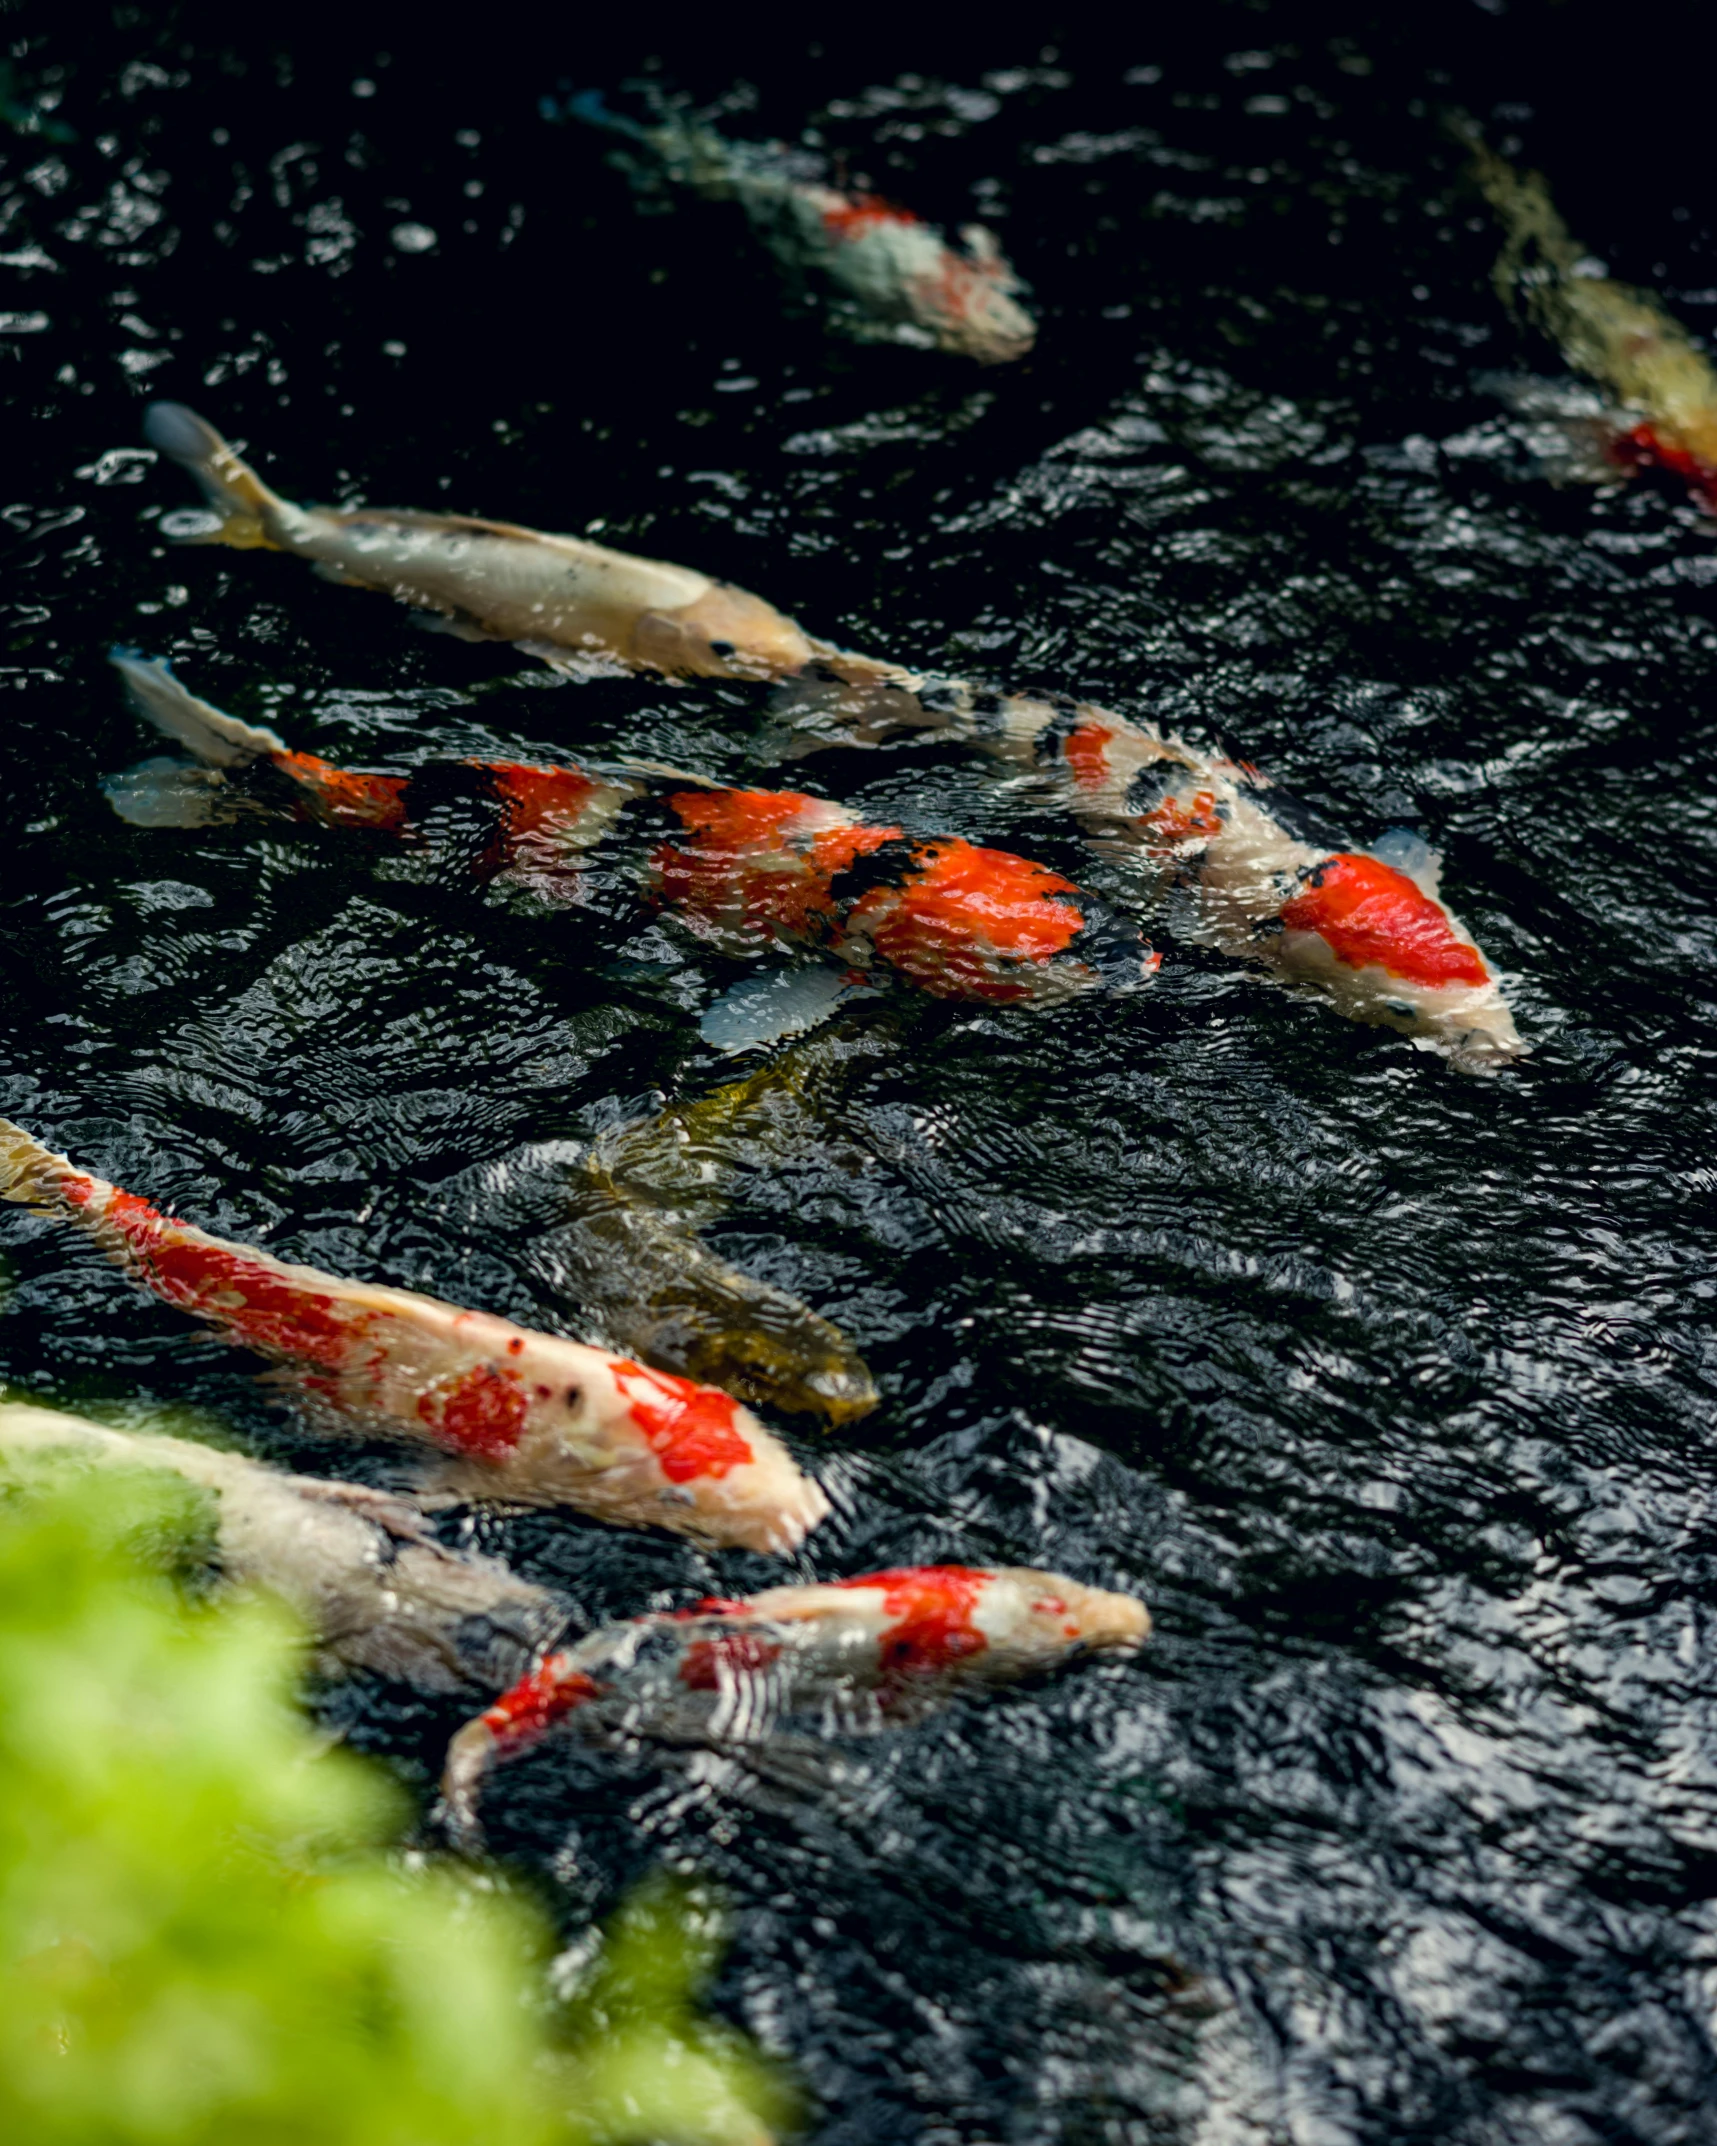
pixel 1367 930
pixel 725 1671
pixel 1664 388
pixel 517 1415
pixel 375 1589
pixel 893 276
pixel 575 605
pixel 753 868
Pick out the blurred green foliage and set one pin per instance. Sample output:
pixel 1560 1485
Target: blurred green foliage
pixel 203 1936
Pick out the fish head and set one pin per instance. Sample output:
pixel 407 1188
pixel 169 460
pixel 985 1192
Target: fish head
pixel 648 1447
pixel 1035 1619
pixel 726 633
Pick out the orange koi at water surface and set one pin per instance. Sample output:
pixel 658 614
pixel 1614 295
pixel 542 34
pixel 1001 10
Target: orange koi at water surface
pixel 1369 932
pixel 752 869
pixel 864 1651
pixel 513 1414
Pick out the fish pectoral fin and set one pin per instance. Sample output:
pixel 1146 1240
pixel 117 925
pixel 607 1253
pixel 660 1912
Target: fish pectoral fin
pixel 459 625
pixel 577 664
pixel 400 1517
pixel 773 1003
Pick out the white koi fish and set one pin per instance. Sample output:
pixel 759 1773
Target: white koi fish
pixel 1663 388
pixel 521 1416
pixel 575 605
pixel 894 277
pixel 374 1588
pixel 726 1671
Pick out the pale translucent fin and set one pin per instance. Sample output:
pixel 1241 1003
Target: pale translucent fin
pixel 247 508
pixel 218 740
pixel 167 793
pixel 1404 851
pixel 763 1008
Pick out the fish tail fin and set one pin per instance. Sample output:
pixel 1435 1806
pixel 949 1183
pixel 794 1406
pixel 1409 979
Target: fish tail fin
pixel 470 1755
pixel 593 108
pixel 32 1175
pixel 216 739
pixel 167 793
pixel 249 511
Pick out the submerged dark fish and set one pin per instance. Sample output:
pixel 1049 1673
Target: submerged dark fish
pixel 892 275
pixel 867 1651
pixel 519 1415
pixel 1662 386
pixel 374 1588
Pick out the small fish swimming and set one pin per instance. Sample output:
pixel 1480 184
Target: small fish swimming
pixel 374 1588
pixel 750 871
pixel 868 1651
pixel 1368 931
pixel 893 276
pixel 520 1416
pixel 1663 386
pixel 577 606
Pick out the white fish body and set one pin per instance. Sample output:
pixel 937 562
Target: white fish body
pixel 374 1588
pixel 518 1415
pixel 574 603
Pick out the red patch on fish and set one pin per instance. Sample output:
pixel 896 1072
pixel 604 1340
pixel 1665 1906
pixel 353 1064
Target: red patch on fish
pixel 342 798
pixel 693 1430
pixel 538 802
pixel 930 1611
pixel 1371 916
pixel 1185 819
pixel 525 1714
pixel 1086 752
pixel 736 1653
pixel 967 917
pixel 1642 448
pixel 243 1292
pixel 860 214
pixel 760 859
pixel 482 1413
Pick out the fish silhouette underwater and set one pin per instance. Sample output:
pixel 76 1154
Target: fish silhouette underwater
pixel 511 1414
pixel 888 275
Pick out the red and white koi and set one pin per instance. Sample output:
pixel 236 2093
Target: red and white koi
pixel 517 1415
pixel 577 606
pixel 1663 387
pixel 753 869
pixel 375 1589
pixel 726 1671
pixel 893 276
pixel 1367 930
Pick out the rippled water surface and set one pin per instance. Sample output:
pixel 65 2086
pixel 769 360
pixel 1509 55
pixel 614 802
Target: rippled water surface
pixel 1390 1388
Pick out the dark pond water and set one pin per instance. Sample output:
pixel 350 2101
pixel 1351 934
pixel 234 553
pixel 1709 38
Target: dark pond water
pixel 1391 1389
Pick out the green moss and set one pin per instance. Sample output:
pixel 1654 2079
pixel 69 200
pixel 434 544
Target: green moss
pixel 203 1936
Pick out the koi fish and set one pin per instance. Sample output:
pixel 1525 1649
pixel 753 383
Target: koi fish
pixel 577 606
pixel 1368 931
pixel 894 277
pixel 752 869
pixel 545 817
pixel 374 1588
pixel 760 867
pixel 517 1415
pixel 726 1671
pixel 1663 387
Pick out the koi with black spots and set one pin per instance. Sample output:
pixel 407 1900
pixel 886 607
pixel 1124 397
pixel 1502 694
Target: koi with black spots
pixel 868 1651
pixel 515 1415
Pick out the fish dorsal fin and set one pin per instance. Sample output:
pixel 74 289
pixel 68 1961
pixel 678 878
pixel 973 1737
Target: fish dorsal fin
pixel 1411 855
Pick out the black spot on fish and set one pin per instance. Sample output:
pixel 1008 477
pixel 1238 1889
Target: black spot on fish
pixel 890 866
pixel 1110 944
pixel 1064 718
pixel 941 699
pixel 1150 786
